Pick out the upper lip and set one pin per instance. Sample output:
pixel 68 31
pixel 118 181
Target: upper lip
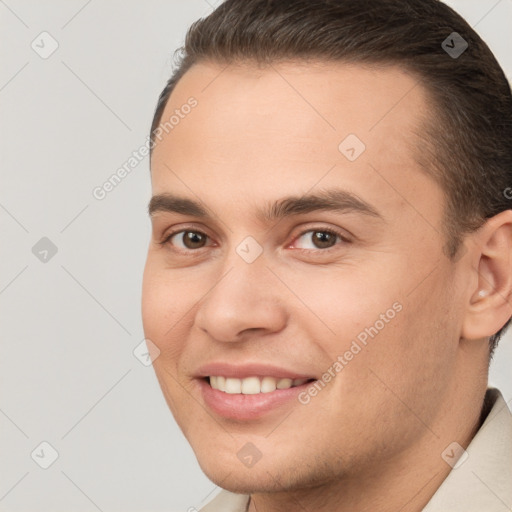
pixel 242 371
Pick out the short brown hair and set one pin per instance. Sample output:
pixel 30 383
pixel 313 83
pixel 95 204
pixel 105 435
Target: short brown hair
pixel 468 139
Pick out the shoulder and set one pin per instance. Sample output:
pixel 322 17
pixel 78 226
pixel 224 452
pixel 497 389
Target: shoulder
pixel 482 477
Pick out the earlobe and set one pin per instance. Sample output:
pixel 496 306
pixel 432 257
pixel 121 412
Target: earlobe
pixel 490 303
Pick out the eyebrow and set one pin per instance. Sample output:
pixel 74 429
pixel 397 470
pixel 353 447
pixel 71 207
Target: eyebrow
pixel 337 200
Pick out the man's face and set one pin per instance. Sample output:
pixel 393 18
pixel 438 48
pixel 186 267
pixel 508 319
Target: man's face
pixel 300 287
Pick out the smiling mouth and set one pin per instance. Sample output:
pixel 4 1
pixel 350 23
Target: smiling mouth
pixel 252 385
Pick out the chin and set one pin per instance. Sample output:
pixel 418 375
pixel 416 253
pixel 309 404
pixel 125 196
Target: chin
pixel 248 481
pixel 264 477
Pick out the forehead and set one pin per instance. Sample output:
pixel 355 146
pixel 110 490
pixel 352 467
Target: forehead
pixel 256 130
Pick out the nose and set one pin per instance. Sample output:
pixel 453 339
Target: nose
pixel 245 300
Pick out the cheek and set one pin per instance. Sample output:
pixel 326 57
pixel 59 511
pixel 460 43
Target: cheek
pixel 410 361
pixel 379 330
pixel 163 305
pixel 155 303
pixel 165 296
pixel 342 306
pixel 162 309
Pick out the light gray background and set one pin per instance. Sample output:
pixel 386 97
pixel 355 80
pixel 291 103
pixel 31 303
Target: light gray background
pixel 70 325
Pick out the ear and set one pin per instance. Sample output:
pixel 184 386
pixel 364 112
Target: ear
pixel 490 303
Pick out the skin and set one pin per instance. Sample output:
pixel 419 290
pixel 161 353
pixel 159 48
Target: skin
pixel 372 439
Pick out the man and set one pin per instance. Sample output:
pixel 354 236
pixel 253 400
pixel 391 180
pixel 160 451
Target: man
pixel 330 265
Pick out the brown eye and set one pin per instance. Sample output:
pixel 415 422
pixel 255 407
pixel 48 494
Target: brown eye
pixel 188 239
pixel 317 239
pixel 323 239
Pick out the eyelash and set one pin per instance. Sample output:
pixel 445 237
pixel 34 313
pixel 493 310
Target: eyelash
pixel 330 231
pixel 167 239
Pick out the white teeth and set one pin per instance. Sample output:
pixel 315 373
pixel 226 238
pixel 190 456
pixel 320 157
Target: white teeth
pixel 268 384
pixel 221 382
pixel 284 383
pixel 233 386
pixel 252 385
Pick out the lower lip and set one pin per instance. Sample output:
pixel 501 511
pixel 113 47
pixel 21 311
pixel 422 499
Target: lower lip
pixel 248 407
